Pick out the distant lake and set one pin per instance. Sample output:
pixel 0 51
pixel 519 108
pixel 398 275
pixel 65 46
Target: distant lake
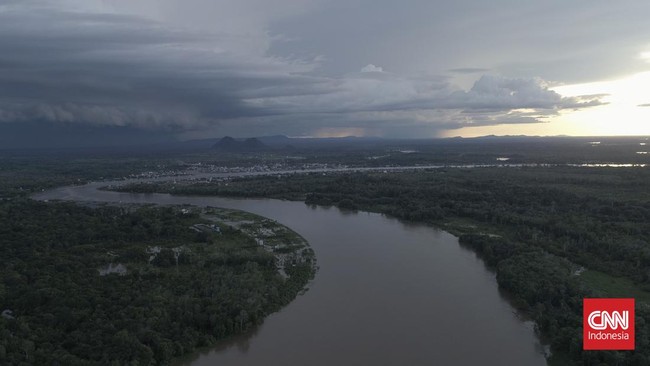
pixel 387 293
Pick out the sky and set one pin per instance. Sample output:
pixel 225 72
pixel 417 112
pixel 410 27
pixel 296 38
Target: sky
pixel 415 68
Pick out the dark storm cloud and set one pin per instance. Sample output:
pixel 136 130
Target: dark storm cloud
pixel 120 70
pixel 110 69
pixel 379 100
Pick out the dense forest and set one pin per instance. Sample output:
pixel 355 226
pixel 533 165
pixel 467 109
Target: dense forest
pixel 127 285
pixel 554 235
pixel 22 175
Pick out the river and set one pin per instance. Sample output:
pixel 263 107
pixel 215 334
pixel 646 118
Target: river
pixel 387 293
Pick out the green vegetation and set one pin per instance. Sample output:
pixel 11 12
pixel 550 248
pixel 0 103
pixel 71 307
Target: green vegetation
pixel 611 286
pixel 132 285
pixel 535 226
pixel 22 175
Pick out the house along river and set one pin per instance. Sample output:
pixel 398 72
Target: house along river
pixel 386 293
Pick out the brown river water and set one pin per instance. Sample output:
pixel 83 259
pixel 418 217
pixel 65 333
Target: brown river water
pixel 387 293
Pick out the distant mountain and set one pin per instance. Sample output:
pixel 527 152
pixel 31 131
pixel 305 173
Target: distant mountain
pixel 229 144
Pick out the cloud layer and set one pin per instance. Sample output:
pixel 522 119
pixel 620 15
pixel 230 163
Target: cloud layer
pixel 95 66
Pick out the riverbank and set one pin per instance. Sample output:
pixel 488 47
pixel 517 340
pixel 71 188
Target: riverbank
pixel 131 283
pixel 386 293
pixel 535 226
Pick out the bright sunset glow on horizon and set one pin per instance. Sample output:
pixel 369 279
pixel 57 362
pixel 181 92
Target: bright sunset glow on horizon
pixel 626 112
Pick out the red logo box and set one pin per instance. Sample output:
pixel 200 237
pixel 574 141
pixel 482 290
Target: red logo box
pixel 608 324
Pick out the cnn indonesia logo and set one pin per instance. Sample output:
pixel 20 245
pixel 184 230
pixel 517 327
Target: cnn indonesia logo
pixel 608 324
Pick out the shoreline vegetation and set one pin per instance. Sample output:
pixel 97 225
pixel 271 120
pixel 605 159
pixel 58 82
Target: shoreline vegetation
pixel 138 284
pixel 554 235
